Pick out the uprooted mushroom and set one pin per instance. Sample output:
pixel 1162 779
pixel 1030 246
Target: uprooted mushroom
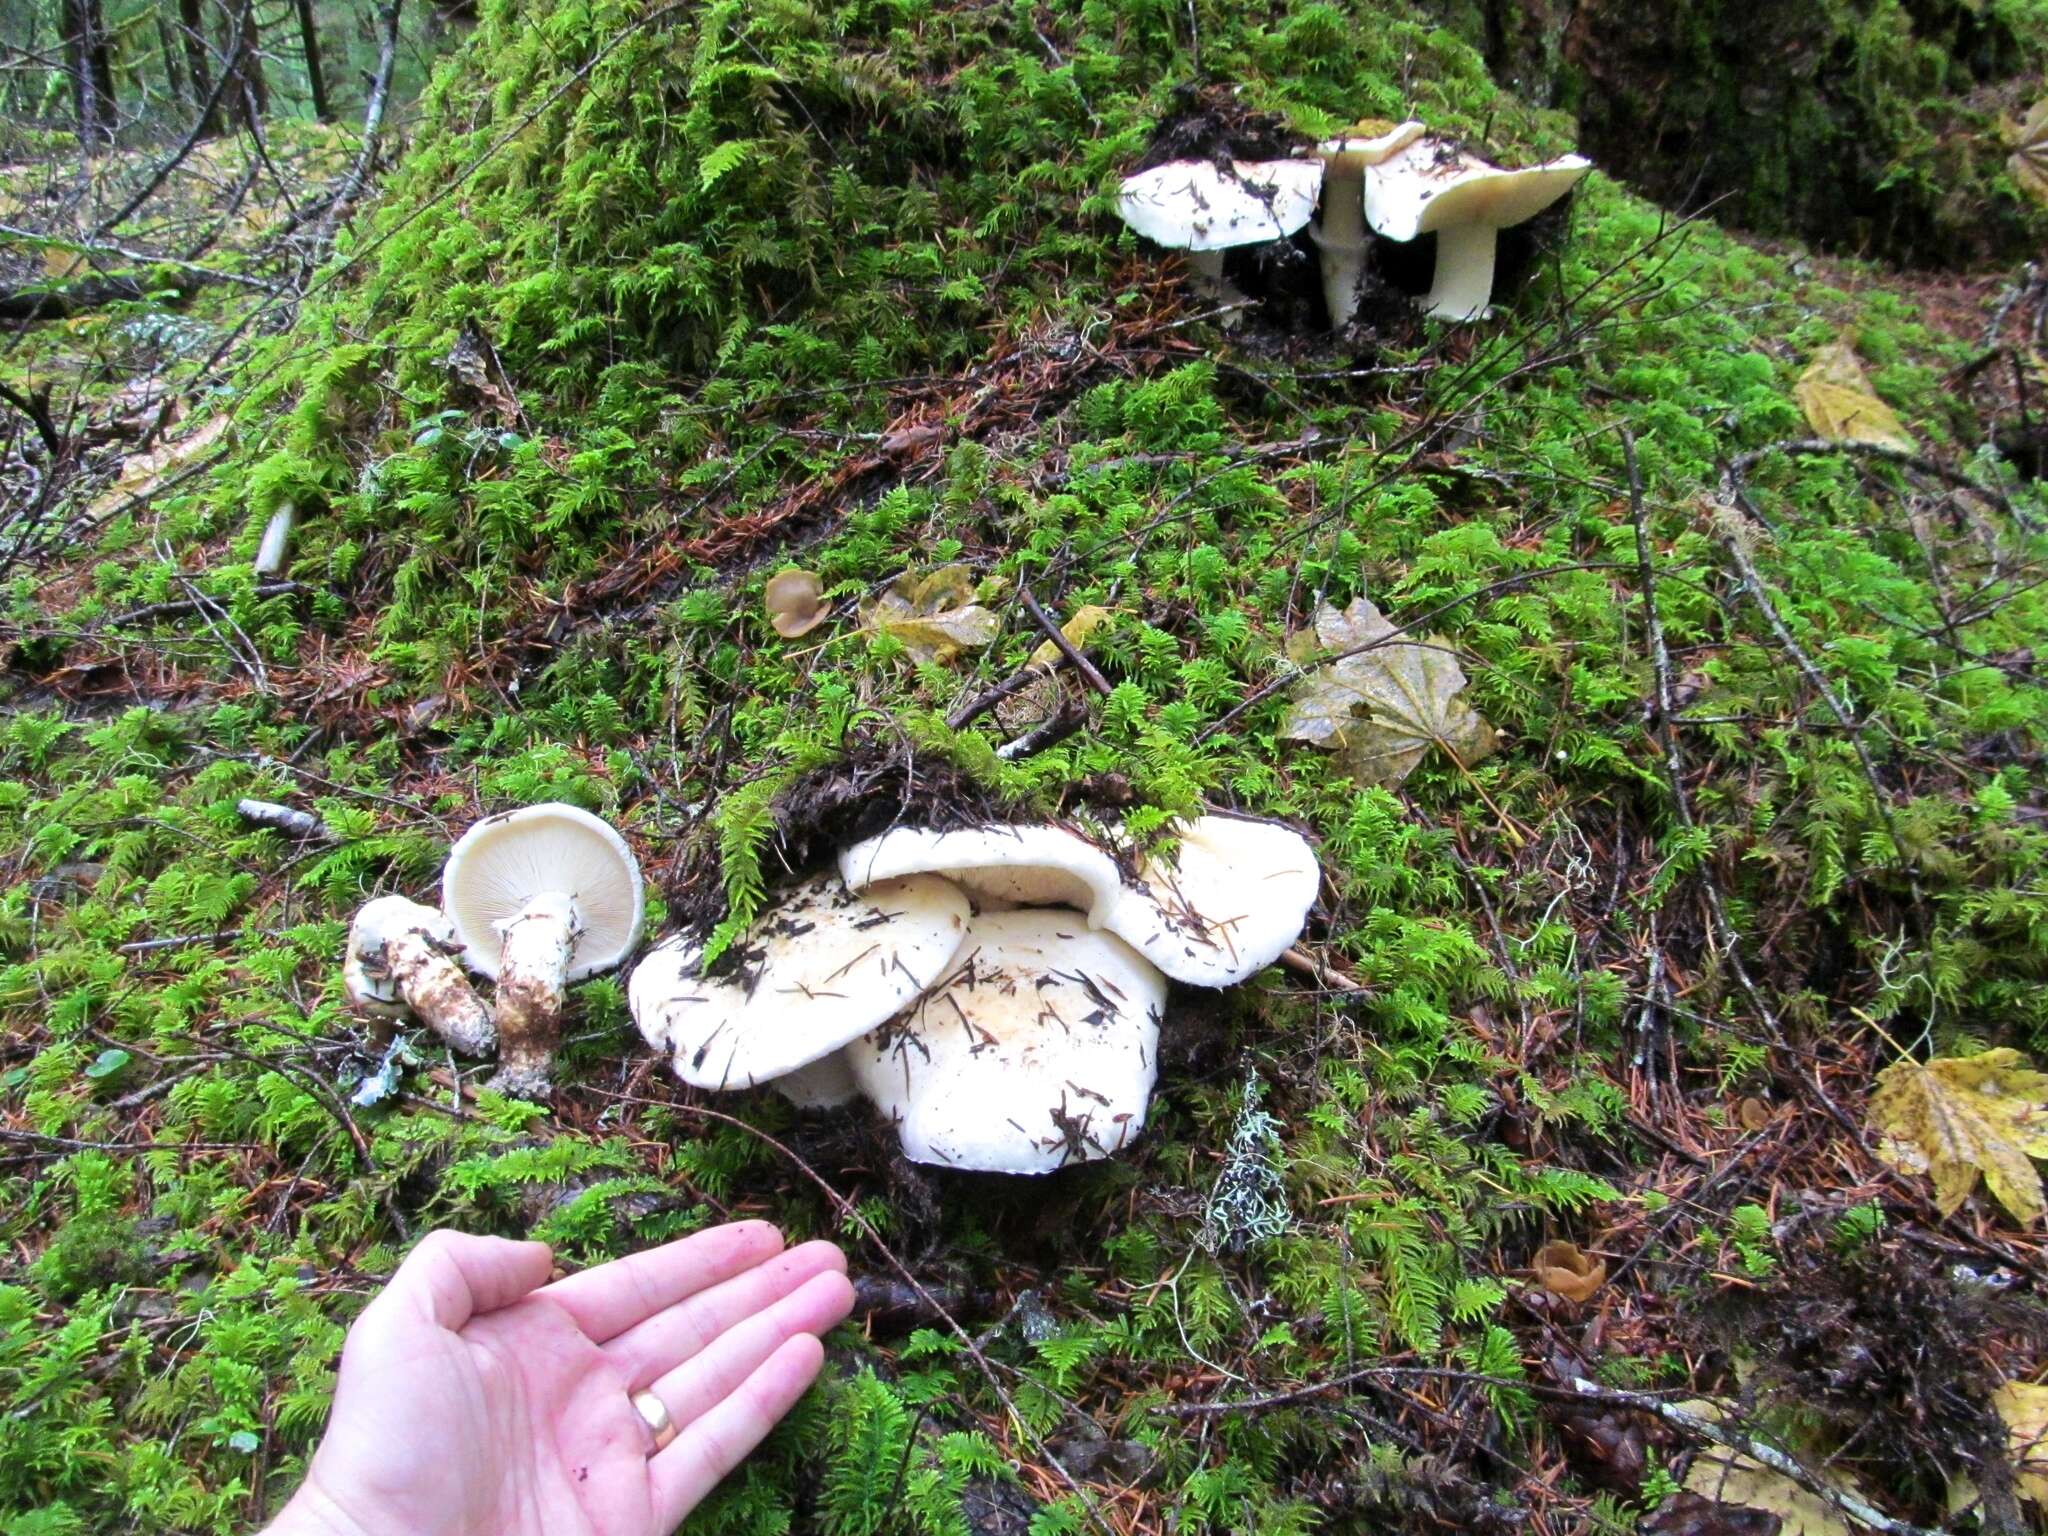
pixel 1016 1039
pixel 533 899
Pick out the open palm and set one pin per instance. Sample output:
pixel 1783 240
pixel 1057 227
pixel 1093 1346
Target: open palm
pixel 474 1398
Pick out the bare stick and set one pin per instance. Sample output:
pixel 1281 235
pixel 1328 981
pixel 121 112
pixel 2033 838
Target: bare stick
pixel 1075 659
pixel 283 818
pixel 351 185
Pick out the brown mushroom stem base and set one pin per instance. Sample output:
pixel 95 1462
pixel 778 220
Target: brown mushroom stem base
pixel 439 995
pixel 532 978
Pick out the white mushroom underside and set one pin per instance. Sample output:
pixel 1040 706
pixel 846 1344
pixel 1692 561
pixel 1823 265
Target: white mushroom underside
pixel 505 861
pixel 1038 1049
pixel 822 967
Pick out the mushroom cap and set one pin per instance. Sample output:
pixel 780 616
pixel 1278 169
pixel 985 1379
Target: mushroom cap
pixel 1225 906
pixel 504 861
pixel 1430 185
pixel 1371 149
pixel 820 968
pixel 997 865
pixel 794 602
pixel 1191 205
pixel 1038 1049
pixel 377 922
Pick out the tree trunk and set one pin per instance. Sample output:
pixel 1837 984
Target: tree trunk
pixel 174 69
pixel 192 24
pixel 89 61
pixel 248 94
pixel 316 79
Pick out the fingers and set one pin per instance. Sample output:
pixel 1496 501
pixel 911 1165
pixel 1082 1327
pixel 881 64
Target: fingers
pixel 652 1348
pixel 682 1475
pixel 611 1298
pixel 450 1277
pixel 693 1390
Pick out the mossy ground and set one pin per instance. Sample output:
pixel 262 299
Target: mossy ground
pixel 768 283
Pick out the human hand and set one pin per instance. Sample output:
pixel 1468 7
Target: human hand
pixel 477 1400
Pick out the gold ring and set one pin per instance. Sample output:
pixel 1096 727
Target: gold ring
pixel 654 1414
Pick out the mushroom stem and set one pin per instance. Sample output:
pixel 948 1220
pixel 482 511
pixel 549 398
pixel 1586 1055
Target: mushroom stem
pixel 532 976
pixel 1463 286
pixel 277 538
pixel 440 997
pixel 1208 264
pixel 1339 233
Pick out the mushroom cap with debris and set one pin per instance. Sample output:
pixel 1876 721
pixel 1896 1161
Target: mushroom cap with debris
pixel 1224 904
pixel 1038 1049
pixel 999 866
pixel 505 861
pixel 824 966
pixel 1195 205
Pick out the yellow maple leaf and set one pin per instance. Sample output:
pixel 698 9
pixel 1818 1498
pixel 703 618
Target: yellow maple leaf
pixel 1088 618
pixel 2028 163
pixel 2024 1407
pixel 1839 404
pixel 933 614
pixel 1961 1116
pixel 1729 1477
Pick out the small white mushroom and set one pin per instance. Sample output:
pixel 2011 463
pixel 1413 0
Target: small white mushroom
pixel 1225 905
pixel 398 962
pixel 540 897
pixel 823 967
pixel 1038 1049
pixel 998 866
pixel 1198 207
pixel 1339 230
pixel 1429 185
pixel 826 1083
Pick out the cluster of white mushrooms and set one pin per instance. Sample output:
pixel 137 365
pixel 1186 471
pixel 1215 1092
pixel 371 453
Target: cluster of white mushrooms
pixel 1398 185
pixel 997 992
pixel 531 900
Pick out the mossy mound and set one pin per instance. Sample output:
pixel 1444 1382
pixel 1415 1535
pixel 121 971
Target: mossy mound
pixel 666 295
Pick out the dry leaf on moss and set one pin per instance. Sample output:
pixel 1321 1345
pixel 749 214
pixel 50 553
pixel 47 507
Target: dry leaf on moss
pixel 1088 618
pixel 2028 163
pixel 795 603
pixel 1384 708
pixel 142 473
pixel 1732 1478
pixel 1839 404
pixel 1959 1116
pixel 932 613
pixel 1563 1270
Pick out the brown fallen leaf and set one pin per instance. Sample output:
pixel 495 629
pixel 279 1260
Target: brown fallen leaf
pixel 1693 1514
pixel 932 613
pixel 795 602
pixel 1961 1116
pixel 1753 1114
pixel 1382 709
pixel 1563 1270
pixel 1839 404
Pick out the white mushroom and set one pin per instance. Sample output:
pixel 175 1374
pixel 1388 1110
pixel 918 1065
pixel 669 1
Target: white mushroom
pixel 1225 905
pixel 998 866
pixel 1339 231
pixel 1429 185
pixel 826 1083
pixel 1198 207
pixel 1039 1049
pixel 823 967
pixel 398 961
pixel 540 897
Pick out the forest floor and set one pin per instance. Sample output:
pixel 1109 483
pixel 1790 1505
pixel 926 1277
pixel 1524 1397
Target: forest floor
pixel 1544 1193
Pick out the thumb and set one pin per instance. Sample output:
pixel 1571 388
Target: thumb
pixel 451 1277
